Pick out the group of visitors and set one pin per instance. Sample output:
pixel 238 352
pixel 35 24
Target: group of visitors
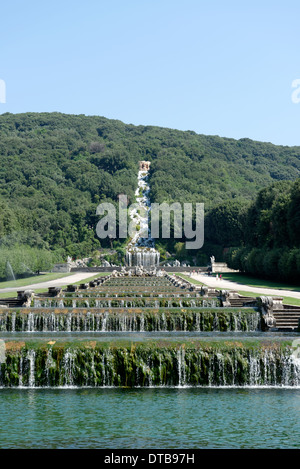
pixel 193 272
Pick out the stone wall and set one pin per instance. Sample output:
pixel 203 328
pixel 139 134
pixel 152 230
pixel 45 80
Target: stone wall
pixel 221 267
pixel 111 269
pixel 61 268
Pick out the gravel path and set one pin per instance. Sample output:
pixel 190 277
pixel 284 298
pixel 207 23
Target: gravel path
pixel 228 285
pixel 59 282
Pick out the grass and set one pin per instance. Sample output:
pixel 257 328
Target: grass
pixel 190 279
pixel 8 294
pixel 291 301
pixel 39 279
pixel 258 282
pixel 22 282
pixel 154 344
pixel 286 299
pixel 13 294
pixel 89 279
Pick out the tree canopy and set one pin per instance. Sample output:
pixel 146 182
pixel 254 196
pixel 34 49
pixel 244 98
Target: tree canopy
pixel 56 168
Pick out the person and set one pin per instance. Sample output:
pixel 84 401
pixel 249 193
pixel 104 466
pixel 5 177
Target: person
pixel 220 276
pixel 217 276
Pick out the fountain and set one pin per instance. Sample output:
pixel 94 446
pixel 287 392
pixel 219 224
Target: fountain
pixel 27 269
pixel 9 272
pixel 174 341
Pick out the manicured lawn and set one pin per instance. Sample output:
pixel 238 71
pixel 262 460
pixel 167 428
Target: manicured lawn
pixel 13 294
pixel 22 282
pixel 286 299
pixel 190 279
pixel 89 279
pixel 9 294
pixel 291 301
pixel 258 282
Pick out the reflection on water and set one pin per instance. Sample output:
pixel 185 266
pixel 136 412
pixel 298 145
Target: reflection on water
pixel 150 418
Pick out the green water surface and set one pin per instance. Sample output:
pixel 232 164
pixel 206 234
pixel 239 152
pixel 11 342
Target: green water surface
pixel 150 418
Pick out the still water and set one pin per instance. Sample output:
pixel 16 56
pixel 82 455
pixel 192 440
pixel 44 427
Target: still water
pixel 183 418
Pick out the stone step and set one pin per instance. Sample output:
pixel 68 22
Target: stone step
pixel 287 319
pixel 240 302
pixel 285 315
pixel 11 303
pixel 287 322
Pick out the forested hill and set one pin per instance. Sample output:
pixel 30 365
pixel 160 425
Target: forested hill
pixel 55 168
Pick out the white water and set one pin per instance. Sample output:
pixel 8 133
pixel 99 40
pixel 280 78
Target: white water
pixel 10 272
pixel 140 250
pixel 96 321
pixel 261 371
pixel 31 359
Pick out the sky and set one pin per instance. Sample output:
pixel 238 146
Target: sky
pixel 228 68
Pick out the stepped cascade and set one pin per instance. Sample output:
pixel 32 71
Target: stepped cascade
pixel 140 328
pixel 141 248
pixel 191 363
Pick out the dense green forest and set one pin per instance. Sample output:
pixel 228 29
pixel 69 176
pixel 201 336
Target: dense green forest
pixel 270 234
pixel 56 168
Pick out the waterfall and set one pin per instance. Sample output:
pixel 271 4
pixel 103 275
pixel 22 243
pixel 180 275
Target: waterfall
pixel 140 250
pixel 13 322
pixel 254 371
pixel 30 322
pixel 152 364
pixel 21 373
pixel 142 323
pixel 167 318
pixel 129 258
pixel 181 366
pixel 291 368
pixel 68 368
pixel 31 358
pixel 50 364
pixel 69 322
pixel 104 322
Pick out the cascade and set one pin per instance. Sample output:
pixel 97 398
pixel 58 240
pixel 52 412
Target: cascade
pixel 135 320
pixel 31 359
pixel 13 322
pixel 153 364
pixel 181 367
pixel 133 303
pixel 140 250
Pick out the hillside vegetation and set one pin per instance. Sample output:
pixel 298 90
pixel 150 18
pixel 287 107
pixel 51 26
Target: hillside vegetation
pixel 269 244
pixel 56 168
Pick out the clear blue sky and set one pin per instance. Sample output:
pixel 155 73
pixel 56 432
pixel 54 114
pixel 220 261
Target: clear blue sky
pixel 216 67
